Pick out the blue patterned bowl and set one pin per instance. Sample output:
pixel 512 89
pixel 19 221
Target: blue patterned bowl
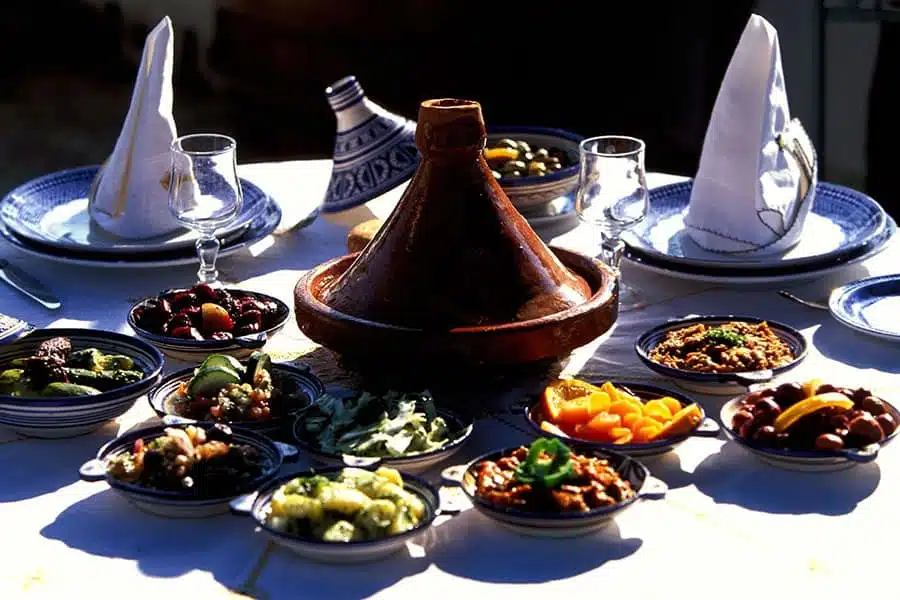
pixel 532 191
pixel 559 525
pixel 718 383
pixel 804 460
pixel 303 385
pixel 186 505
pixel 256 506
pixel 197 350
pixel 707 427
pixel 70 417
pixel 374 150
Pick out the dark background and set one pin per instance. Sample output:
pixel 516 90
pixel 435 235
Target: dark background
pixel 591 67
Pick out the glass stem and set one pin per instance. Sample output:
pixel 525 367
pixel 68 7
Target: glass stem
pixel 612 249
pixel 208 251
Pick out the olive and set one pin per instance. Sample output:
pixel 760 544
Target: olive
pixel 829 441
pixel 751 398
pixel 887 422
pixel 866 428
pixel 787 394
pixel 826 388
pixel 528 156
pixel 514 174
pixel 839 420
pixel 513 165
pixel 860 394
pixel 536 168
pixel 524 147
pixel 873 406
pixel 507 143
pixel 766 409
pixel 542 153
pixel 842 432
pixel 747 429
pixel 765 435
pixel 740 418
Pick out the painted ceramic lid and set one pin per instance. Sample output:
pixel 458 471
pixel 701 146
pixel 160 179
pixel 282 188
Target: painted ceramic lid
pixel 374 150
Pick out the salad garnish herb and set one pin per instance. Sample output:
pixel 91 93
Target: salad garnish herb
pixel 725 337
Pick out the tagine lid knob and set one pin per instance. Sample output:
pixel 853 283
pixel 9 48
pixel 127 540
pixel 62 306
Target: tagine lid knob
pixel 374 149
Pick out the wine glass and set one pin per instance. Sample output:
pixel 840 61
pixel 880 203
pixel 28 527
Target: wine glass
pixel 613 197
pixel 204 192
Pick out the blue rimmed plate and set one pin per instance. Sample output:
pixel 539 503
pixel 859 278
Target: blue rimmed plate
pixel 718 383
pixel 842 221
pixel 53 211
pixel 870 306
pixel 706 427
pixel 770 275
pixel 260 227
pixel 559 524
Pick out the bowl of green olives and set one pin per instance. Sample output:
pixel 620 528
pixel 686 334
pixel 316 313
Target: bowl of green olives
pixel 534 165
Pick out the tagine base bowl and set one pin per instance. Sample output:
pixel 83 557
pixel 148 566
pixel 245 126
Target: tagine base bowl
pixel 369 345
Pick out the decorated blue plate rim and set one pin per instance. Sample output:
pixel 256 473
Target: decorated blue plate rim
pixel 86 175
pixel 843 298
pixel 681 190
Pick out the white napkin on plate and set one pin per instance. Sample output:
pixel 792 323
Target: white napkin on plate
pixel 130 196
pixel 758 169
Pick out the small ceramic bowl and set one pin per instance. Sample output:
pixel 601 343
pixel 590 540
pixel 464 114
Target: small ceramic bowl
pixel 178 505
pixel 529 192
pixel 559 525
pixel 718 384
pixel 707 427
pixel 414 463
pixel 74 416
pixel 196 350
pixel 256 505
pixel 303 386
pixel 804 460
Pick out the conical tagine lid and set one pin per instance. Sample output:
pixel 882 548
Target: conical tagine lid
pixel 454 252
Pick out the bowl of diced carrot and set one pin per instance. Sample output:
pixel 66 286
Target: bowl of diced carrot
pixel 632 418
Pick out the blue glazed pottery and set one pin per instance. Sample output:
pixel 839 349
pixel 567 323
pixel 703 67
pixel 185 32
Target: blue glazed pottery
pixel 374 150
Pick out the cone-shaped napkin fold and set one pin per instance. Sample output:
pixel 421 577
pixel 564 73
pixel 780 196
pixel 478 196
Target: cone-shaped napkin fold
pixel 757 175
pixel 130 196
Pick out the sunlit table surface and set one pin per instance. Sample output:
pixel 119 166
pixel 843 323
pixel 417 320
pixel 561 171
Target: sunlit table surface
pixel 729 527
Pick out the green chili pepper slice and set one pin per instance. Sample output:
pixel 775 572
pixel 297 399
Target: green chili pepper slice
pixel 547 473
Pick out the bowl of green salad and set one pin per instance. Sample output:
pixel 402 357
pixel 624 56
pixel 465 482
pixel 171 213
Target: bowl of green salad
pixel 400 430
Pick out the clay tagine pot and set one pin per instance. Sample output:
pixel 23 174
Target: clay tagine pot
pixel 456 272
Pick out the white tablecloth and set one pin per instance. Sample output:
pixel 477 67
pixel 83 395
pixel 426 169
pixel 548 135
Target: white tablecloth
pixel 729 526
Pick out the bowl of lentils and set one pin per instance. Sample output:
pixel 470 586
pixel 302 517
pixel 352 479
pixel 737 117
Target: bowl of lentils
pixel 534 165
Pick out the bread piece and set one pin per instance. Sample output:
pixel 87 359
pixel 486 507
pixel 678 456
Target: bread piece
pixel 360 235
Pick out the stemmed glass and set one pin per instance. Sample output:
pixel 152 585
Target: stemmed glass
pixel 613 197
pixel 204 192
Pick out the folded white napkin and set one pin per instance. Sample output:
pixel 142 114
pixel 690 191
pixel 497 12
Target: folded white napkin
pixel 757 176
pixel 130 196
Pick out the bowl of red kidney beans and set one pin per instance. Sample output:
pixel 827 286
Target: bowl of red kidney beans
pixel 189 323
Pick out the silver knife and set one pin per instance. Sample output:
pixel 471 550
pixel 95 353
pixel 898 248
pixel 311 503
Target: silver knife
pixel 28 285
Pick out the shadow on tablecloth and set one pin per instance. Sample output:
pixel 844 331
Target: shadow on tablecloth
pixel 727 478
pixel 223 546
pixel 58 462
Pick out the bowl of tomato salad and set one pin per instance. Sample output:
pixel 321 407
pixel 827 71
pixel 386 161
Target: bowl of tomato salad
pixel 255 394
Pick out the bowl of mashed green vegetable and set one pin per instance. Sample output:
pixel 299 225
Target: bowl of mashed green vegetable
pixel 405 431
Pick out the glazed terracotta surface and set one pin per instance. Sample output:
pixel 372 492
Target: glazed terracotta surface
pixel 454 252
pixel 456 273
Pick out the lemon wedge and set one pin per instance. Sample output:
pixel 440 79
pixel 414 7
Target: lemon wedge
pixel 799 410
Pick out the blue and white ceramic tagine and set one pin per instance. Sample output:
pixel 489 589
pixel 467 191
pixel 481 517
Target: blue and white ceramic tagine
pixel 374 150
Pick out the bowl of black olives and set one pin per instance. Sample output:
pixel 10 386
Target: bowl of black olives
pixel 811 426
pixel 534 165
